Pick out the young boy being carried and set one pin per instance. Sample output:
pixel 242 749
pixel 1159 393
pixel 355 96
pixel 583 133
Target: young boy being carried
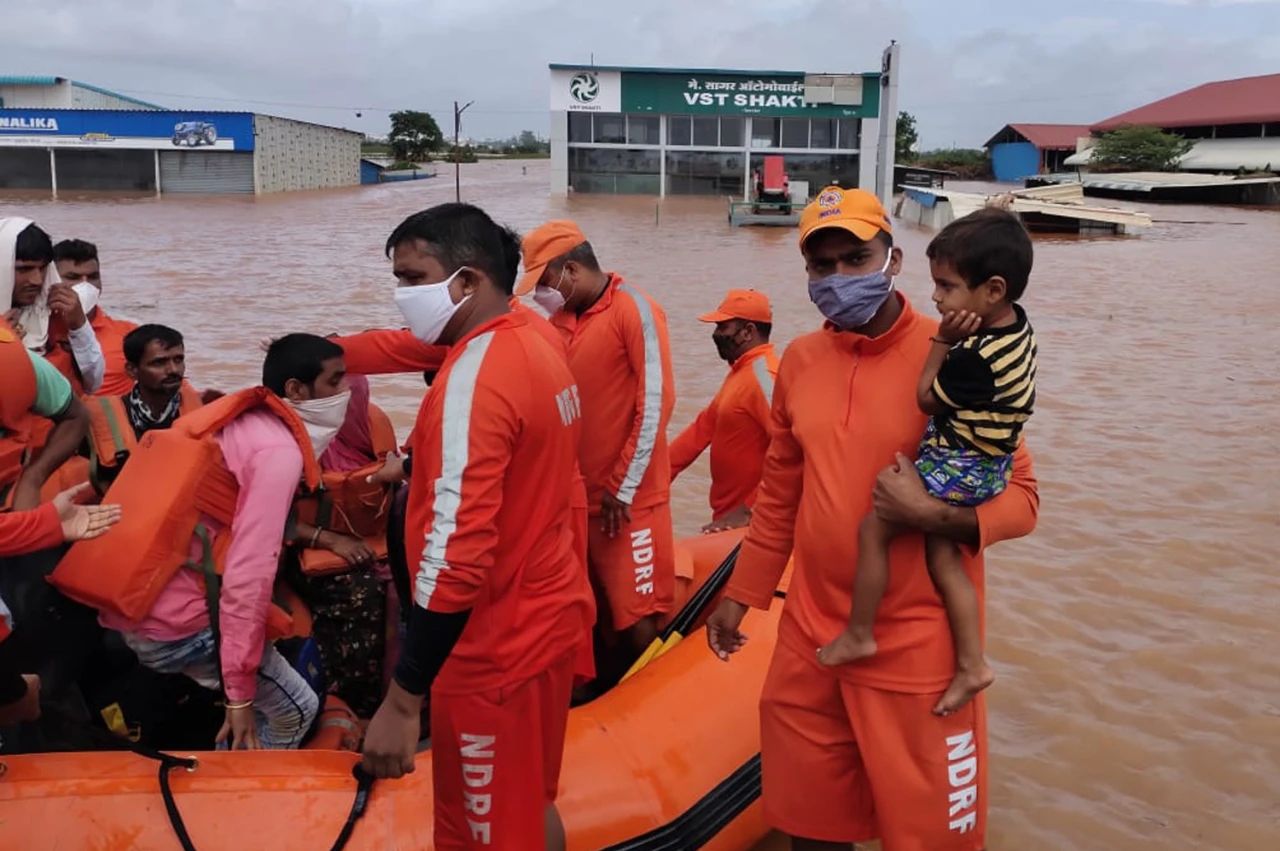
pixel 978 385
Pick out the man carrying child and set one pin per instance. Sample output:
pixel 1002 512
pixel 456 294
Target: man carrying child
pixel 855 752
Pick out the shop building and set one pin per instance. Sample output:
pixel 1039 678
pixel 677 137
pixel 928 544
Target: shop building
pixel 59 135
pixel 693 131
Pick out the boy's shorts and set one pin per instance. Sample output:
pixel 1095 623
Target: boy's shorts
pixel 961 476
pixel 849 763
pixel 636 569
pixel 496 759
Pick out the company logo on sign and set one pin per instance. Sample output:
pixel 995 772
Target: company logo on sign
pixel 44 125
pixel 584 87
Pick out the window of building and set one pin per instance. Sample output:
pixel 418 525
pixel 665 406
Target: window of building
pixel 579 127
pixel 643 130
pixel 609 128
pixel 621 171
pixel 706 130
pixel 731 129
pixel 765 132
pixel 1272 129
pixel 679 129
pixel 822 133
pixel 848 133
pixel 704 173
pixel 795 132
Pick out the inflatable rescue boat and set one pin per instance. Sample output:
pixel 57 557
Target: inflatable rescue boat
pixel 669 759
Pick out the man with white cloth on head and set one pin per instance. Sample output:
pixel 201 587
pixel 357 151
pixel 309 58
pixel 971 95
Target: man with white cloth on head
pixel 33 295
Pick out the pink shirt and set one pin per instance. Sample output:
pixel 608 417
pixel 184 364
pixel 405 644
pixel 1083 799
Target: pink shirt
pixel 267 463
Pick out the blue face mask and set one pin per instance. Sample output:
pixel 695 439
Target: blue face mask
pixel 850 301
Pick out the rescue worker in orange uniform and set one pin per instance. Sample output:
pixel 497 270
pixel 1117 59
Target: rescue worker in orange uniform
pixel 34 397
pixel 77 263
pixel 621 359
pixel 855 752
pixel 502 605
pixel 31 531
pixel 736 423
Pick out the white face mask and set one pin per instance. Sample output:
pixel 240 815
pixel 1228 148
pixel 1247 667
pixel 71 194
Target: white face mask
pixel 322 417
pixel 427 308
pixel 89 296
pixel 550 299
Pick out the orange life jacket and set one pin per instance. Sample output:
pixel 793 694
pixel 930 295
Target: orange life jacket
pixel 173 477
pixel 347 504
pixel 111 437
pixel 17 395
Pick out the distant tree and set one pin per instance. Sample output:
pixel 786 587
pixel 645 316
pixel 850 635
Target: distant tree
pixel 908 136
pixel 1138 148
pixel 414 135
pixel 965 163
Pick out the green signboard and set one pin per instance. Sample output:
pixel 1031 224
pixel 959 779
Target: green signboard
pixel 738 94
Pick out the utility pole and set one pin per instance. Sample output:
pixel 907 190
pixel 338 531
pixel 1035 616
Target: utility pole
pixel 457 152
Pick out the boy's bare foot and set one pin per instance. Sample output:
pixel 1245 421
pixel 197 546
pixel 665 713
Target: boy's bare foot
pixel 965 685
pixel 848 647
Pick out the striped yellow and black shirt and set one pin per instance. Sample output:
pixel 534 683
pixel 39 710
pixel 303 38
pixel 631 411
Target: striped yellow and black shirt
pixel 988 383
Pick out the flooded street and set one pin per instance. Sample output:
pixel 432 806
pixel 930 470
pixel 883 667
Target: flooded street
pixel 1136 635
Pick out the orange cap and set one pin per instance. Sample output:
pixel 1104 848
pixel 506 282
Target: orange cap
pixel 855 210
pixel 741 304
pixel 544 244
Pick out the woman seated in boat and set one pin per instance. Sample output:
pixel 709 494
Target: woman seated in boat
pixel 343 573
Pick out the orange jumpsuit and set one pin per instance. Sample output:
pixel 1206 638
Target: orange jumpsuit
pixel 855 752
pixel 620 355
pixel 490 530
pixel 736 427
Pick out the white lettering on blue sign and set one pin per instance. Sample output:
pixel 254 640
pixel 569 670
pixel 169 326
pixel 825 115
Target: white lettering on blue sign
pixel 48 125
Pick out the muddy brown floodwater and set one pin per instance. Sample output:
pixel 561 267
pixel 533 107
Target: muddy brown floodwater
pixel 1136 634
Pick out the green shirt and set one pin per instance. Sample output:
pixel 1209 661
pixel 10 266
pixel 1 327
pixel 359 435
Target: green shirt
pixel 53 391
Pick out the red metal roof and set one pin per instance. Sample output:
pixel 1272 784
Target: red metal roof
pixel 1046 137
pixel 1247 100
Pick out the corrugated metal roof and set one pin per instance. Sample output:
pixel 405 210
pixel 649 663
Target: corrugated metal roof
pixel 1247 100
pixel 1046 137
pixel 110 93
pixel 29 80
pixel 1261 154
pixel 38 80
pixel 1146 181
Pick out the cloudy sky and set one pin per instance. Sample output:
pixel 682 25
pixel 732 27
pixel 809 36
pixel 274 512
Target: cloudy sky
pixel 967 67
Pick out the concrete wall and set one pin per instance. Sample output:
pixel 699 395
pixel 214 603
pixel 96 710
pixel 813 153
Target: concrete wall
pixel 36 97
pixel 1012 161
pixel 293 155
